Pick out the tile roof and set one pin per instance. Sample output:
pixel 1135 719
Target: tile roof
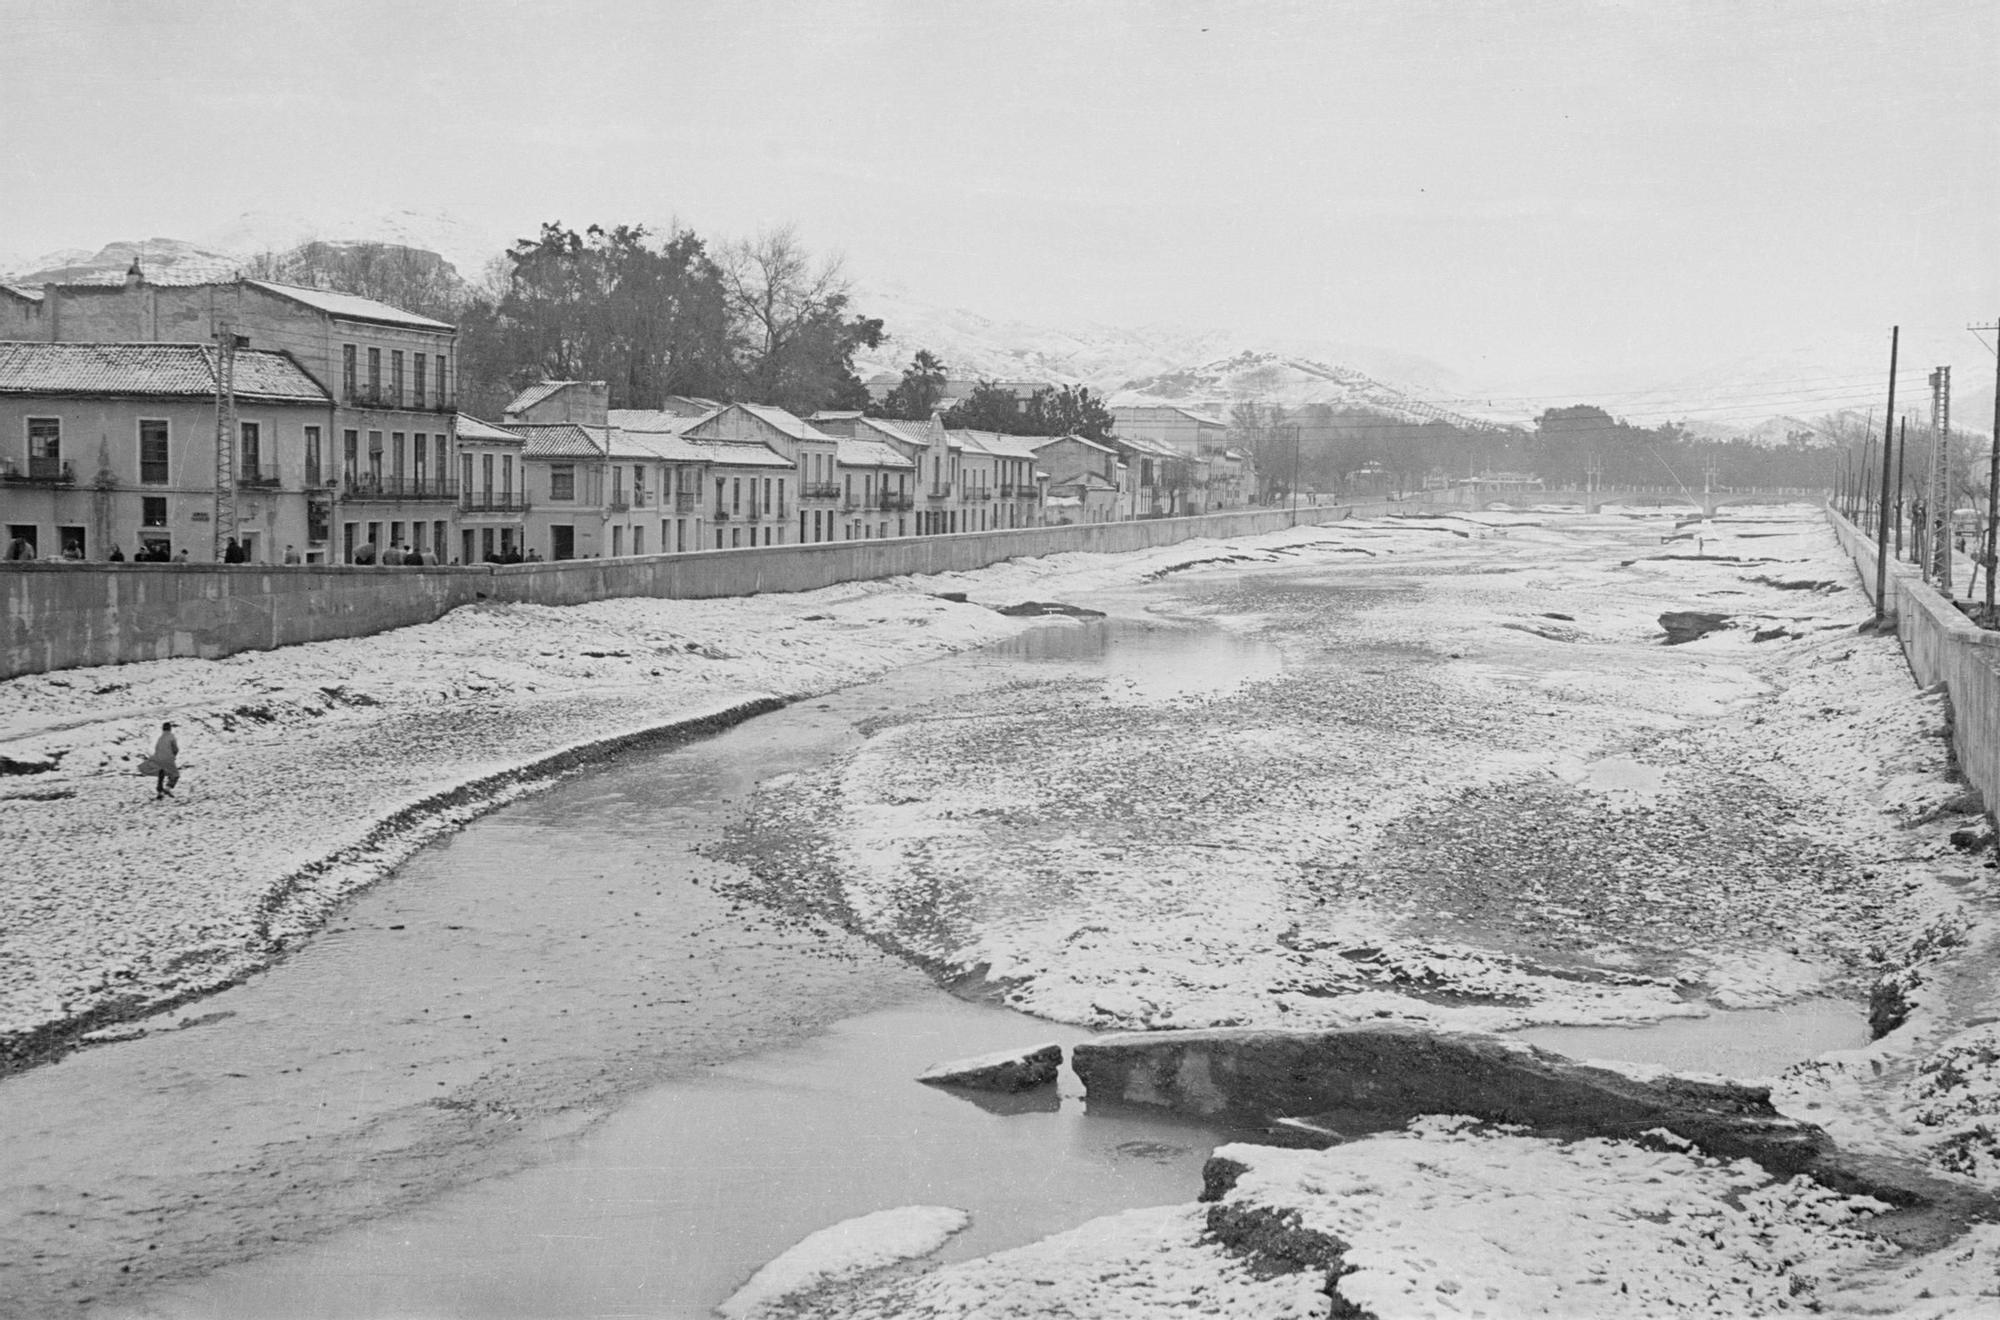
pixel 870 453
pixel 534 394
pixel 909 433
pixel 169 370
pixel 22 291
pixel 562 440
pixel 350 307
pixel 471 428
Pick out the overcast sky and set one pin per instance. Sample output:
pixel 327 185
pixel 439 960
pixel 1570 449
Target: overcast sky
pixel 1521 190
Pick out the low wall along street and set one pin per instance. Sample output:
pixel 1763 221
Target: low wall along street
pixel 1942 646
pixel 62 616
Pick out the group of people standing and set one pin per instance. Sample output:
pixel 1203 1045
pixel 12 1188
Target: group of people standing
pixel 397 555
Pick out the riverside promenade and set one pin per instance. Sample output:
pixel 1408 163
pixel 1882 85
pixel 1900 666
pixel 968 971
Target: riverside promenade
pixel 61 616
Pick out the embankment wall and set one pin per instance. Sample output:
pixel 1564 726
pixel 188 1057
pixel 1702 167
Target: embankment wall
pixel 64 615
pixel 1943 646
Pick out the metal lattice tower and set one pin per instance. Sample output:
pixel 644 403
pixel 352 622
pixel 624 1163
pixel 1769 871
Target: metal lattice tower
pixel 1939 493
pixel 225 436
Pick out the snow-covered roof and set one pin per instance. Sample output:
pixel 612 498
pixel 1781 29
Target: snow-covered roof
pixel 738 453
pixel 786 422
pixel 563 440
pixel 893 428
pixel 1073 439
pixel 655 419
pixel 350 307
pixel 870 453
pixel 1001 444
pixel 156 370
pixel 667 446
pixel 1187 413
pixel 1148 447
pixel 471 428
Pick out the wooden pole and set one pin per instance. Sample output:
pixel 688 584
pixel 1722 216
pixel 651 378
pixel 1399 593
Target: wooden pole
pixel 1993 493
pixel 1882 528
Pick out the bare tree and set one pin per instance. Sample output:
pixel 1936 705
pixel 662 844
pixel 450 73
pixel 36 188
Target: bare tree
pixel 795 341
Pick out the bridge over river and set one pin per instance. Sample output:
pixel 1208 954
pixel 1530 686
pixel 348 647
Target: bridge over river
pixel 1592 499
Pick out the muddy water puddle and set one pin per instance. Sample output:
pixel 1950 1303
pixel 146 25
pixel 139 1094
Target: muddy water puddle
pixel 1749 1042
pixel 670 1205
pixel 1141 661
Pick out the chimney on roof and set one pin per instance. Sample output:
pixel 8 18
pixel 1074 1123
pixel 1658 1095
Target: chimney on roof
pixel 134 277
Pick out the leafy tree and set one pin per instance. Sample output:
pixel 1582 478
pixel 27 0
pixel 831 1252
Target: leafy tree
pixel 609 305
pixel 406 277
pixel 916 396
pixel 989 407
pixel 1067 410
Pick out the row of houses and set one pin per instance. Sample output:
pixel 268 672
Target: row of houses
pixel 322 427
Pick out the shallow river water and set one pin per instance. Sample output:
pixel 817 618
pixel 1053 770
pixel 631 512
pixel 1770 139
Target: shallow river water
pixel 548 1068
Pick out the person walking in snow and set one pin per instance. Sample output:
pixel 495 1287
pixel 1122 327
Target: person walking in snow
pixel 165 762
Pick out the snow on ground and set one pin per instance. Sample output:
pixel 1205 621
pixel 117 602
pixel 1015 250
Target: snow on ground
pixel 1137 1265
pixel 853 1247
pixel 312 769
pixel 1478 790
pixel 1452 1219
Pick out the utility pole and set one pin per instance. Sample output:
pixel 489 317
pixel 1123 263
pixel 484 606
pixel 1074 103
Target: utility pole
pixel 1938 570
pixel 1882 527
pixel 225 437
pixel 1295 474
pixel 1992 482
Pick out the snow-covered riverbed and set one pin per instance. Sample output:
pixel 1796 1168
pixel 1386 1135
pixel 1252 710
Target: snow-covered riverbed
pixel 1445 769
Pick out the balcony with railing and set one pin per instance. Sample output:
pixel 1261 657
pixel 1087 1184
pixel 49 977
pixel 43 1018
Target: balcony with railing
pixel 39 471
pixel 488 501
pixel 819 490
pixel 257 478
pixel 976 494
pixel 1019 490
pixel 386 397
pixel 720 515
pixel 941 491
pixel 618 504
pixel 894 501
pixel 368 486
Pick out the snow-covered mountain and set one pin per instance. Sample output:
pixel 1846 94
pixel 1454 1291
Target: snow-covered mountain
pixel 1207 368
pixel 467 246
pixel 165 260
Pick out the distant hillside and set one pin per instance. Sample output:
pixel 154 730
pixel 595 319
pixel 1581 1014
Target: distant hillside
pixel 1294 382
pixel 1211 369
pixel 165 260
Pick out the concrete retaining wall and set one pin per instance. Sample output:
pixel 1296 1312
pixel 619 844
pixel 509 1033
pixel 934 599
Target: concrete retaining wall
pixel 61 616
pixel 1942 646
